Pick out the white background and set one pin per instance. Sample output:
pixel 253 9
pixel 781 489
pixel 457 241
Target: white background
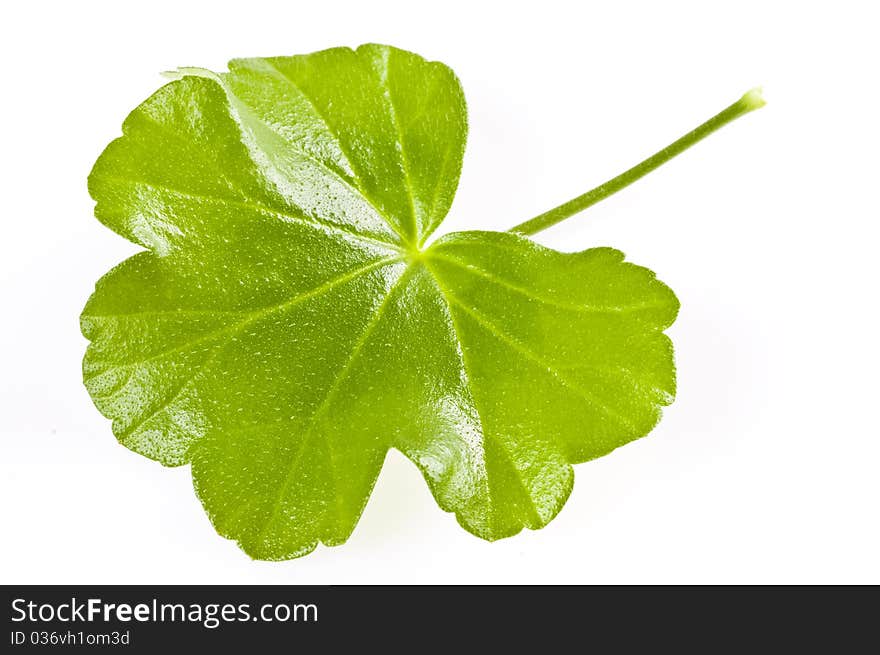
pixel 765 470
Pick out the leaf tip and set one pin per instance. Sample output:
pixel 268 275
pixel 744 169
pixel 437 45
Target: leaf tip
pixel 193 71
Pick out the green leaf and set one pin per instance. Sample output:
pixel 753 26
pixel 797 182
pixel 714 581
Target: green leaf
pixel 286 326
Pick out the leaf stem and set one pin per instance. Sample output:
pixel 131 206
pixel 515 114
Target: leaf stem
pixel 748 102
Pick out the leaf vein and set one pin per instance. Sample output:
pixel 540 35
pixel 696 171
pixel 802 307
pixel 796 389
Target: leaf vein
pixel 359 186
pixel 456 335
pixel 236 328
pixel 177 393
pixel 500 334
pixel 250 203
pixel 329 396
pixel 585 308
pixel 401 150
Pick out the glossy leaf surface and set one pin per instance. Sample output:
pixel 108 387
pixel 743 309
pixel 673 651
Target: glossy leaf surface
pixel 286 326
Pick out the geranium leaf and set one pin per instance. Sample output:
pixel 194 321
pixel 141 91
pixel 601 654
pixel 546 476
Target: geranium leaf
pixel 286 326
